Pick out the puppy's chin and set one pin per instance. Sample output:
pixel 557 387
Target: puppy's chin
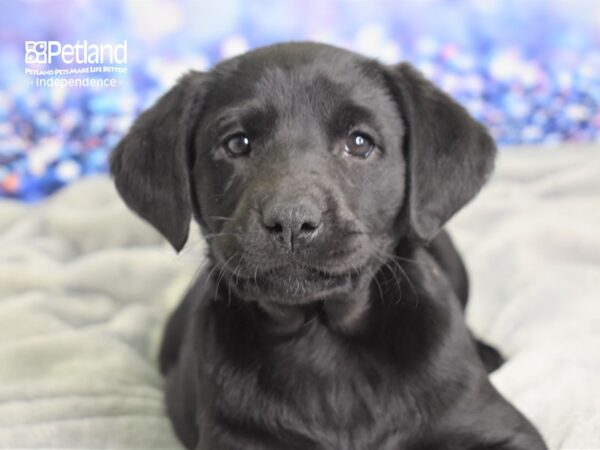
pixel 296 285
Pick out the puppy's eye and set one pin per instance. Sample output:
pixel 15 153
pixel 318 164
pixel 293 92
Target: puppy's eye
pixel 237 145
pixel 359 144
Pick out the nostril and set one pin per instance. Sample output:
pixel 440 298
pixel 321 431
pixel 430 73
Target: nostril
pixel 309 227
pixel 275 228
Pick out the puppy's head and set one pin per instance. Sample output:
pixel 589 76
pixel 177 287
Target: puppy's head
pixel 304 165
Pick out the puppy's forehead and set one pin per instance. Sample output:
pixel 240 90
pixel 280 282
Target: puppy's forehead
pixel 291 77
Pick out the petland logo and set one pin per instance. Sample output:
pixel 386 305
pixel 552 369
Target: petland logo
pixel 53 64
pixel 47 52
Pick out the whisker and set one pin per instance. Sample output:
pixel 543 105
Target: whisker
pixel 238 267
pixel 188 248
pixel 255 274
pixel 392 262
pixel 386 265
pixel 214 235
pixel 221 218
pixel 216 265
pixel 222 273
pixel 201 267
pixel 378 287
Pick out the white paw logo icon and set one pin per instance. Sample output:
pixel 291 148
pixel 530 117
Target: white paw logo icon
pixel 36 52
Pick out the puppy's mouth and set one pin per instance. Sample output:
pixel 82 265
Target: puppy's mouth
pixel 295 284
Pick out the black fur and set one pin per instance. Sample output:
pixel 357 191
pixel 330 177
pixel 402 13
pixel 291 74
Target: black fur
pixel 330 315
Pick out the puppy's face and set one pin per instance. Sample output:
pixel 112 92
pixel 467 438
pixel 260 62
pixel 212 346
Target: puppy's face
pixel 299 172
pixel 304 165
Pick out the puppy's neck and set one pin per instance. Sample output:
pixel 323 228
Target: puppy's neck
pixel 345 315
pixel 284 320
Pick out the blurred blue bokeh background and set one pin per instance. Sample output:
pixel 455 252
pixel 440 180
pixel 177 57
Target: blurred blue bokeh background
pixel 528 69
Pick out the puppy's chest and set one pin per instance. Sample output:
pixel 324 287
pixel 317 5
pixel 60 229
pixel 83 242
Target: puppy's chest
pixel 320 391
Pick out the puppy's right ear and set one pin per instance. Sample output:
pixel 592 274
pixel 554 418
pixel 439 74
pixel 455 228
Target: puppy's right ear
pixel 151 163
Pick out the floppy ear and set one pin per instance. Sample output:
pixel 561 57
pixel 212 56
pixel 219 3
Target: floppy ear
pixel 450 155
pixel 151 163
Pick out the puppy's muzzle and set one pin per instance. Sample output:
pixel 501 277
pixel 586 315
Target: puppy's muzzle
pixel 292 222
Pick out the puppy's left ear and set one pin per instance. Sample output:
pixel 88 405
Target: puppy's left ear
pixel 151 163
pixel 449 154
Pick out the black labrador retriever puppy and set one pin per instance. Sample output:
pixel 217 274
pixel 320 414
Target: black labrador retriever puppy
pixel 330 315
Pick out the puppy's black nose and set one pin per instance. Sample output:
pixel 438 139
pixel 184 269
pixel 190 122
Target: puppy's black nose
pixel 292 223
